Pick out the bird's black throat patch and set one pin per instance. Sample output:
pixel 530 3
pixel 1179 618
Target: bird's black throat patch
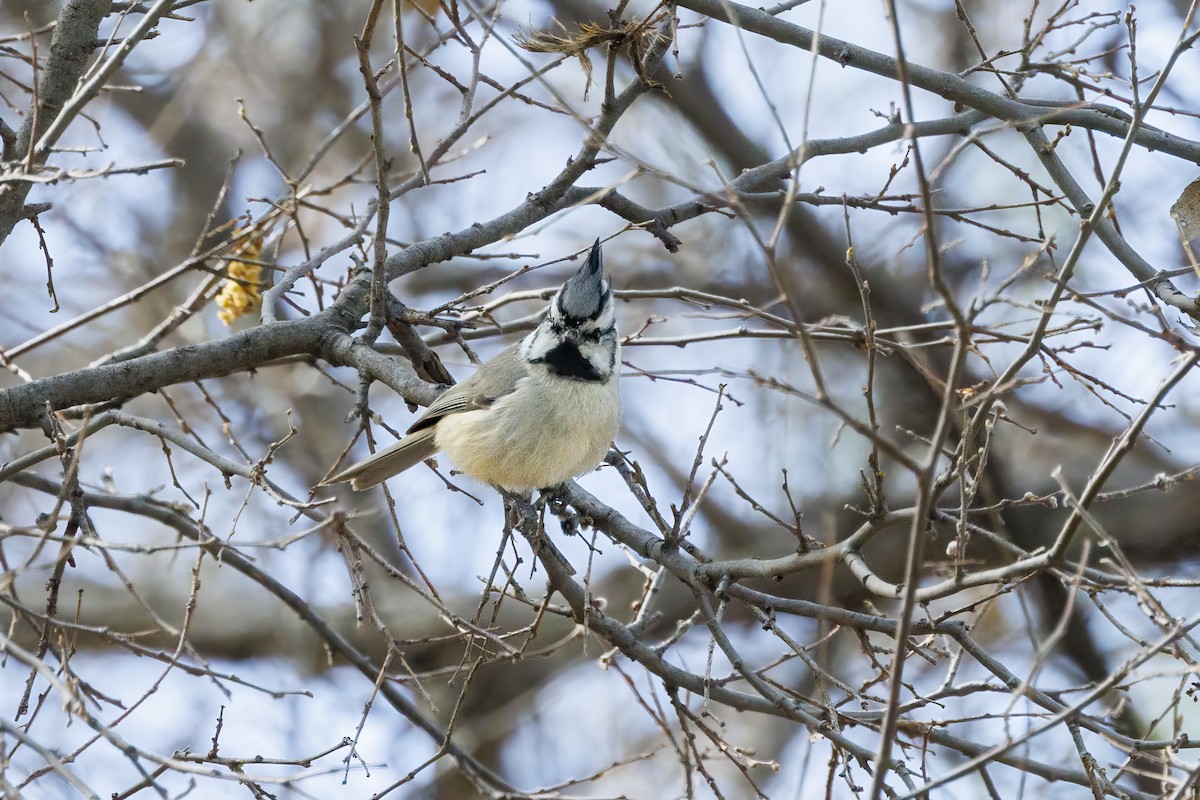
pixel 566 361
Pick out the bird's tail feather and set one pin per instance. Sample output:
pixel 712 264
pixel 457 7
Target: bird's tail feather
pixel 412 449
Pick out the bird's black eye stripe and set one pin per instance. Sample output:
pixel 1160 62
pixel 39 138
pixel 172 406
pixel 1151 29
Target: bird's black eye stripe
pixel 593 336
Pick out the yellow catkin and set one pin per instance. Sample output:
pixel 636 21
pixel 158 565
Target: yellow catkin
pixel 240 293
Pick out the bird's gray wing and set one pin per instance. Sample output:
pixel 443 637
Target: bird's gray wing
pixel 490 382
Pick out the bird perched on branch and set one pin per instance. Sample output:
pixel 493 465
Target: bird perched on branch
pixel 540 413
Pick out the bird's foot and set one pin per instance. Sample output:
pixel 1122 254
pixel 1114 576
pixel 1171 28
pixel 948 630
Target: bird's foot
pixel 554 499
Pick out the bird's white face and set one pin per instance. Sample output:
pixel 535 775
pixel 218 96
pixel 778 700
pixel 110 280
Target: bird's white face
pixel 578 338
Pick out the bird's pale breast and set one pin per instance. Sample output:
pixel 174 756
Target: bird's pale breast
pixel 545 432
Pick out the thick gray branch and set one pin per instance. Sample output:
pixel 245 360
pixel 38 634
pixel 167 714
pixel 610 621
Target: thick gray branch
pixel 941 83
pixel 71 48
pixel 25 404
